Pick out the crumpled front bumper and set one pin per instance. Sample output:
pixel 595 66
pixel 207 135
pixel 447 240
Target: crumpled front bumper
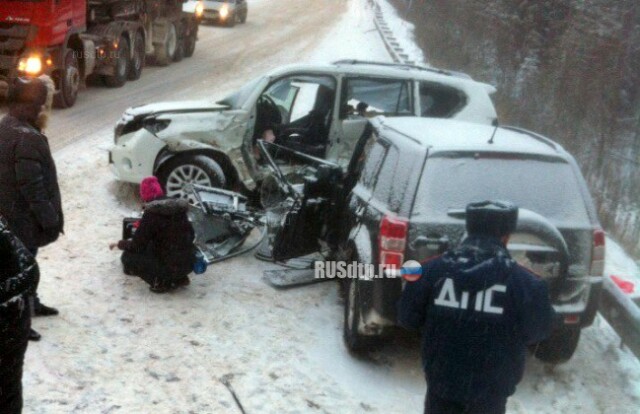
pixel 134 155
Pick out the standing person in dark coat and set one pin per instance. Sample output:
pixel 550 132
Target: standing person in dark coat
pixel 161 250
pixel 29 193
pixel 18 278
pixel 478 310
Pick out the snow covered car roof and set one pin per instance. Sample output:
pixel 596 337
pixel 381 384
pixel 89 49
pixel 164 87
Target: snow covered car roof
pixel 382 69
pixel 450 135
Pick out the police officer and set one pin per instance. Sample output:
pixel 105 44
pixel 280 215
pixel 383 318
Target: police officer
pixel 477 310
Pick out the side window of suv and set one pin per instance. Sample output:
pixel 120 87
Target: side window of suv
pixel 386 184
pixel 372 165
pixel 437 101
pixel 369 97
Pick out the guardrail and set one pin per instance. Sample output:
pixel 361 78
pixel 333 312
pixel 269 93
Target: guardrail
pixel 398 54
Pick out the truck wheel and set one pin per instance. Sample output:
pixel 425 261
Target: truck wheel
pixel 165 52
pixel 355 342
pixel 121 71
pixel 138 60
pixel 181 172
pixel 69 82
pixel 559 347
pixel 179 54
pixel 190 45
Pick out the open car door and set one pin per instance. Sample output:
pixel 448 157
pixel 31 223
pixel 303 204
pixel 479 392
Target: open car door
pixel 308 206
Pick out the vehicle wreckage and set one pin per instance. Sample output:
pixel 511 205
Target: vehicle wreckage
pixel 303 219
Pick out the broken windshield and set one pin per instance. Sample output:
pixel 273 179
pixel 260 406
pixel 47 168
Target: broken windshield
pixel 547 186
pixel 237 99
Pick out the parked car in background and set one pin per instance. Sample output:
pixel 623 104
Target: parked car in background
pixel 226 12
pixel 320 110
pixel 403 198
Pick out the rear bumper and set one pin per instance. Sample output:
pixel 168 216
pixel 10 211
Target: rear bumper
pixel 380 298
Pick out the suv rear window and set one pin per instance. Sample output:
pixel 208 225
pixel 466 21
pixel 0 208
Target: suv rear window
pixel 547 186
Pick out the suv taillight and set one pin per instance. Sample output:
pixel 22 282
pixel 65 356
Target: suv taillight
pixel 597 255
pixel 392 241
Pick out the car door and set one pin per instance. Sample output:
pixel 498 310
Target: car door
pixel 303 108
pixel 362 98
pixel 322 212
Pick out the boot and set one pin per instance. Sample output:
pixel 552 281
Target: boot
pixel 182 282
pixel 160 288
pixel 34 335
pixel 44 310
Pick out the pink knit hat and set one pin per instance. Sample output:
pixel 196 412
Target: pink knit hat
pixel 150 189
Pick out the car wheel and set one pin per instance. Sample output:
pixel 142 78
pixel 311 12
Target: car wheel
pixel 69 82
pixel 121 71
pixel 138 58
pixel 355 342
pixel 559 347
pixel 180 173
pixel 165 52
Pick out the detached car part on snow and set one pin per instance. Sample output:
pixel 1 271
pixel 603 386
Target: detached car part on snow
pixel 221 220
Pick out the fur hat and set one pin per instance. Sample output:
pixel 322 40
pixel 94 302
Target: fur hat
pixel 491 218
pixel 32 91
pixel 150 189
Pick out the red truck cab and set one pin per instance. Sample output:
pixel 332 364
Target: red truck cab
pixel 30 29
pixel 73 39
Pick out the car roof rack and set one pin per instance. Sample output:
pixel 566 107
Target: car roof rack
pixel 402 66
pixel 534 135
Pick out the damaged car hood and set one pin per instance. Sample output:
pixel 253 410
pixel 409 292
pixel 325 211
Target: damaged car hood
pixel 221 129
pixel 178 107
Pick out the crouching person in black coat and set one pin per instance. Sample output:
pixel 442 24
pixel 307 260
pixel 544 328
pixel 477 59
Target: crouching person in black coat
pixel 477 310
pixel 18 280
pixel 161 250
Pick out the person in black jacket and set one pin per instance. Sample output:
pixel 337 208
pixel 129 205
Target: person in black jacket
pixel 161 250
pixel 18 278
pixel 29 193
pixel 478 310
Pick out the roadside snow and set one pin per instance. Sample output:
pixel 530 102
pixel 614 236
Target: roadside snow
pixel 402 29
pixel 117 348
pixel 353 37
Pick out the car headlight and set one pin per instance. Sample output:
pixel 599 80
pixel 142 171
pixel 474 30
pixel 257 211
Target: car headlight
pixel 154 125
pixel 224 11
pixel 31 65
pixel 199 9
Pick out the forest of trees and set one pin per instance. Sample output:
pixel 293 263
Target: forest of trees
pixel 569 69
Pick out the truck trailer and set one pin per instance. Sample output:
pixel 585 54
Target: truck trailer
pixel 103 40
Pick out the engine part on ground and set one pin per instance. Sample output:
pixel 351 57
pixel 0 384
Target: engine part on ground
pixel 223 222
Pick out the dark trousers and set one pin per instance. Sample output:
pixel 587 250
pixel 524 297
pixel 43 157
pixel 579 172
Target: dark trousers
pixel 12 351
pixel 435 405
pixel 34 300
pixel 147 266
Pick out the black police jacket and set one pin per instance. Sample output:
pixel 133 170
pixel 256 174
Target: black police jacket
pixel 478 310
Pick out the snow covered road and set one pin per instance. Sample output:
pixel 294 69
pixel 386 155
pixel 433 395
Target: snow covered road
pixel 118 348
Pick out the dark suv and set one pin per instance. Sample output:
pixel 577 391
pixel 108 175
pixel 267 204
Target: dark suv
pixel 403 198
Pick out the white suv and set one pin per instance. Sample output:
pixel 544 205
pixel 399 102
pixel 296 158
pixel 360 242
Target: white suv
pixel 320 110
